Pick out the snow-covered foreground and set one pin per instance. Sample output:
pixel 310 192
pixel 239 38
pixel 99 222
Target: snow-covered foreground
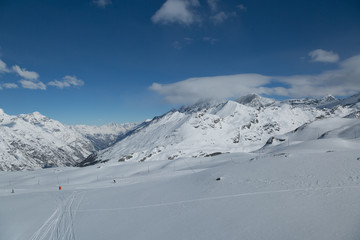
pixel 295 190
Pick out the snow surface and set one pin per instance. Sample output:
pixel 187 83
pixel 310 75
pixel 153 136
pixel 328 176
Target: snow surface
pixel 306 187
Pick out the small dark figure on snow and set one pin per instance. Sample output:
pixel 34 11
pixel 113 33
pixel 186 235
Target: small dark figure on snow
pixel 114 181
pixel 12 191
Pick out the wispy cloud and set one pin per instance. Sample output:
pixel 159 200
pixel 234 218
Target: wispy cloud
pixel 102 3
pixel 213 4
pixel 177 11
pixel 241 7
pixel 10 85
pixel 177 45
pixel 33 85
pixel 22 72
pixel 220 17
pixel 67 81
pixel 320 55
pixel 3 67
pixel 342 81
pixel 210 40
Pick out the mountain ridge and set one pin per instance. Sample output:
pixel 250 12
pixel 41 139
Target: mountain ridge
pixel 30 141
pixel 205 128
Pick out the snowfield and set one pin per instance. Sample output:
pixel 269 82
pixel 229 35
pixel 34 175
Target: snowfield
pixel 306 186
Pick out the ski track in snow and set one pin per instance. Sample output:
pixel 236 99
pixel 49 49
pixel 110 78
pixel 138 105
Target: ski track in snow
pixel 223 197
pixel 60 224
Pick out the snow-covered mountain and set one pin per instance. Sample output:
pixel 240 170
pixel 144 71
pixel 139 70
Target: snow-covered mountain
pixel 325 102
pixel 254 100
pixel 305 180
pixel 30 141
pixel 210 128
pixel 103 136
pixel 305 188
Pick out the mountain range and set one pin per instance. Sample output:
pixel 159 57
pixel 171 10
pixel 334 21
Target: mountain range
pixel 216 127
pixel 30 141
pixel 207 128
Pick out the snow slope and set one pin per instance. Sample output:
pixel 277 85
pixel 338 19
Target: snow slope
pixel 31 141
pixel 305 188
pixel 209 128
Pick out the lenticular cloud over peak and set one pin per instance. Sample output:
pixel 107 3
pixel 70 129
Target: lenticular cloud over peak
pixel 193 89
pixel 342 81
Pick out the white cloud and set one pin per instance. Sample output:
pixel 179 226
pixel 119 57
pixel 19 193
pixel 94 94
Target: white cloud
pixel 176 11
pixel 102 3
pixel 343 81
pixel 320 55
pixel 30 79
pixel 67 81
pixel 219 17
pixel 3 67
pixel 10 85
pixel 189 11
pixel 194 89
pixel 22 72
pixel 28 84
pixel 213 4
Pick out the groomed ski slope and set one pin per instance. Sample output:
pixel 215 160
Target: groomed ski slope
pixel 307 187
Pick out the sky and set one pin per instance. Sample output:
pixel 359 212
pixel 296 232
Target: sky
pixel 100 61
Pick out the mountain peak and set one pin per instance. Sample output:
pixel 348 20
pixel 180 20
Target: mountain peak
pixel 33 117
pixel 38 115
pixel 2 115
pixel 350 101
pixel 255 100
pixel 201 105
pixel 328 99
pixel 112 124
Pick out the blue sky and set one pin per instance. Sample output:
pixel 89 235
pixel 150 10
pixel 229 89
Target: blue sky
pixel 99 61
